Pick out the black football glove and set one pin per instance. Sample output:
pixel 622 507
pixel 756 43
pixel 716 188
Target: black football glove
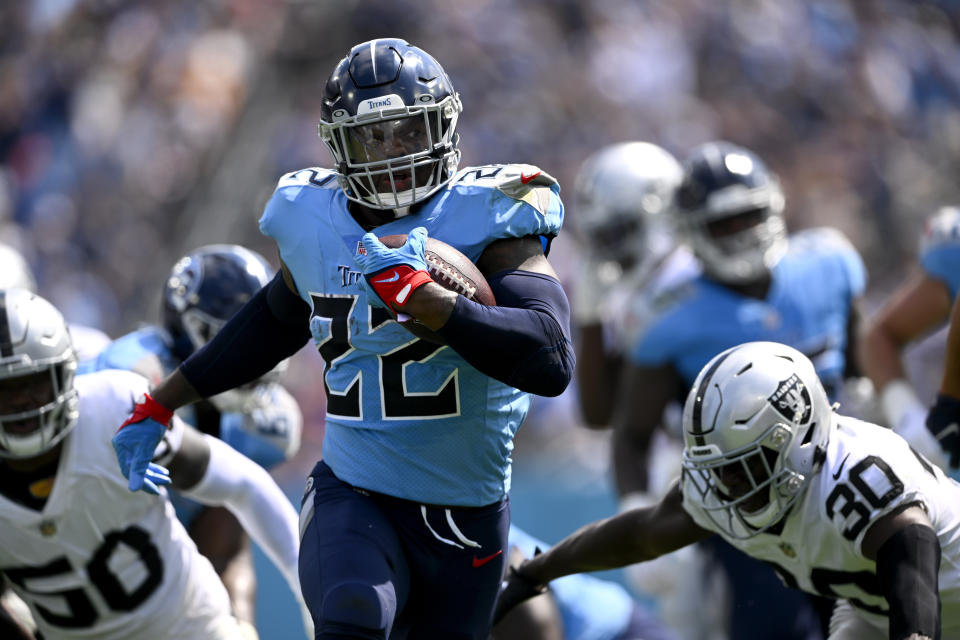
pixel 515 589
pixel 943 421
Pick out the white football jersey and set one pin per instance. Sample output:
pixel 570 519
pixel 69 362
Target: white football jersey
pixel 869 472
pixel 633 301
pixel 100 561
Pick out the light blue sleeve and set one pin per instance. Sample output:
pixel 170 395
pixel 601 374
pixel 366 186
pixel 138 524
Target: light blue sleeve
pixel 943 263
pixel 940 248
pixel 143 351
pixel 540 214
pixel 499 201
pixel 282 217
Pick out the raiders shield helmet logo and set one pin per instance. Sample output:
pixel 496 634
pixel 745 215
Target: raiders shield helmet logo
pixel 792 400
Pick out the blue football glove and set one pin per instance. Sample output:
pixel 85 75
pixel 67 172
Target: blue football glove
pixel 394 274
pixel 943 421
pixel 136 442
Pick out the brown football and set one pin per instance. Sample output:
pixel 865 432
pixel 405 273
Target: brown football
pixel 450 269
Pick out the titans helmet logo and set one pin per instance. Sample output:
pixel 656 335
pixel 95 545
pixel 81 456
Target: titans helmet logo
pixel 184 282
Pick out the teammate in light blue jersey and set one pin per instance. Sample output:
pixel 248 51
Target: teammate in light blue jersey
pixel 262 421
pixel 756 285
pixel 583 608
pixel 704 313
pixel 404 521
pixel 918 307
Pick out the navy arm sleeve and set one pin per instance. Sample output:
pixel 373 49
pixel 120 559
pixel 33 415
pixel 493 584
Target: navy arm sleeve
pixel 907 569
pixel 525 340
pixel 271 326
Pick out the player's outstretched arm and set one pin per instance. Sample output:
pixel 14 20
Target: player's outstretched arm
pixel 270 327
pixel 210 471
pixel 950 385
pixel 920 305
pixel 536 618
pixel 597 376
pixel 632 536
pixel 907 552
pixel 642 396
pixel 943 419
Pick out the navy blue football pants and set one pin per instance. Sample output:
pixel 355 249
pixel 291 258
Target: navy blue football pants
pixel 374 566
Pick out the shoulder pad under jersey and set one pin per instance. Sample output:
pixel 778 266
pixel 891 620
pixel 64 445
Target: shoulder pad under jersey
pixel 831 247
pixel 518 181
pixel 520 199
pixel 823 239
pixel 310 177
pixel 513 179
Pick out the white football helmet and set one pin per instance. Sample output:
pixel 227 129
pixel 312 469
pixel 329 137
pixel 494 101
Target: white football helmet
pixel 38 403
pixel 619 191
pixel 730 210
pixel 14 270
pixel 756 425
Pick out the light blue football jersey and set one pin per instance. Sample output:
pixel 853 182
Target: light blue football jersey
pixel 940 249
pixel 406 417
pixel 807 307
pixel 591 608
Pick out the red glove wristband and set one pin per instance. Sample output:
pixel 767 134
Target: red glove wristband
pixel 149 408
pixel 396 284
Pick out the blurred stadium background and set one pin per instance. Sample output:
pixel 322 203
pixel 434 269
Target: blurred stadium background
pixel 132 132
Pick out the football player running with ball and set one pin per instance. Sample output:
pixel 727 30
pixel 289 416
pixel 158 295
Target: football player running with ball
pixel 839 507
pixel 404 522
pixel 90 558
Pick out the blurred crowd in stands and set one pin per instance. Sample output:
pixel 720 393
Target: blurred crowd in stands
pixel 134 131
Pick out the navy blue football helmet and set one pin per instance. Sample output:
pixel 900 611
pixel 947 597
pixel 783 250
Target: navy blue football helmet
pixel 205 288
pixel 389 118
pixel 729 207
